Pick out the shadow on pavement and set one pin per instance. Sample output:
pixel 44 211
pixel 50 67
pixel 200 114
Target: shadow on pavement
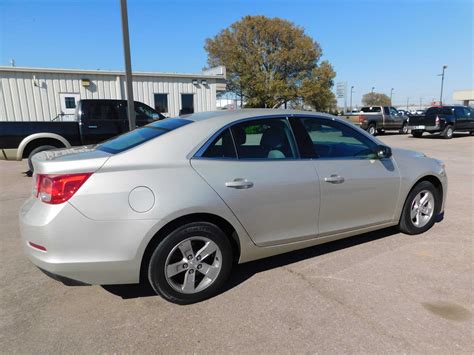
pixel 241 273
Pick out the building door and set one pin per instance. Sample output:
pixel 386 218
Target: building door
pixel 68 105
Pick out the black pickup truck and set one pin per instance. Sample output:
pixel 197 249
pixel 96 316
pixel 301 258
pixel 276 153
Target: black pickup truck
pixel 443 119
pixel 94 121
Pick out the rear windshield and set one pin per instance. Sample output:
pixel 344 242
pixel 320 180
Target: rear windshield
pixel 439 111
pixel 141 135
pixel 370 109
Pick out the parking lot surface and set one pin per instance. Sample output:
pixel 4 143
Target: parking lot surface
pixel 378 292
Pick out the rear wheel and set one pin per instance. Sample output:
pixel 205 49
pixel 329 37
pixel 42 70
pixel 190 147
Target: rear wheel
pixel 448 132
pixel 404 129
pixel 417 134
pixel 371 129
pixel 420 209
pixel 191 264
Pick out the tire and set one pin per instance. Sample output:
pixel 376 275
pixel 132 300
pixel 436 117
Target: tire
pixel 416 219
pixel 471 133
pixel 188 267
pixel 41 148
pixel 448 132
pixel 417 134
pixel 404 129
pixel 371 129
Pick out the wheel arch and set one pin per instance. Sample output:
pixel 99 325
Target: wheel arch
pixel 35 140
pixel 220 222
pixel 436 183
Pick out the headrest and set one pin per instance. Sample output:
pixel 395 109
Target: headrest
pixel 273 138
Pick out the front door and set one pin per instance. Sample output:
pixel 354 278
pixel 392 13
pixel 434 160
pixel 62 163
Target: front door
pixel 254 169
pixel 357 190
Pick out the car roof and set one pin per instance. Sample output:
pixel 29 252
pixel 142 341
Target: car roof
pixel 236 115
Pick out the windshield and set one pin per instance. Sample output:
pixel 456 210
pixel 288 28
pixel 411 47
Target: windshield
pixel 141 135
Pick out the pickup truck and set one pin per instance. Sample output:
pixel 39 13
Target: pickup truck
pixel 377 119
pixel 94 121
pixel 443 119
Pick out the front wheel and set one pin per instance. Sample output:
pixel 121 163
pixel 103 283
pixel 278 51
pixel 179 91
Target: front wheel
pixel 420 209
pixel 417 134
pixel 191 264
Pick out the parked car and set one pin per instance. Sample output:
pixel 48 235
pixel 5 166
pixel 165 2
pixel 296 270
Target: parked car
pixel 176 202
pixel 377 119
pixel 443 119
pixel 95 121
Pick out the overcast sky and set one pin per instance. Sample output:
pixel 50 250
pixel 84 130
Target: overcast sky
pixel 386 44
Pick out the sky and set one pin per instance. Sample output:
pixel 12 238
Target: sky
pixel 383 44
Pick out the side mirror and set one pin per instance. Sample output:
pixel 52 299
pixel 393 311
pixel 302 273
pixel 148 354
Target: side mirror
pixel 383 151
pixel 155 116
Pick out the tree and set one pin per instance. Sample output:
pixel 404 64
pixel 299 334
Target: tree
pixel 270 62
pixel 375 99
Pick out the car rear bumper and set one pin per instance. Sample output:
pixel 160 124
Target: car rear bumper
pixel 425 128
pixel 79 248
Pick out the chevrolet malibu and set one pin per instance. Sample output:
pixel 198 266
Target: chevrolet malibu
pixel 178 202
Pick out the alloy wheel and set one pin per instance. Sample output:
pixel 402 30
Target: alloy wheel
pixel 193 265
pixel 422 208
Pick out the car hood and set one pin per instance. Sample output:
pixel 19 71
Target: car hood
pixel 69 160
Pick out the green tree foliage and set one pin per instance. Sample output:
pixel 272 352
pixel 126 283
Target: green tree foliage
pixel 270 61
pixel 375 99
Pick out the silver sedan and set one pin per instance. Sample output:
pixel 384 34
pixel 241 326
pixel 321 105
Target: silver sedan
pixel 178 202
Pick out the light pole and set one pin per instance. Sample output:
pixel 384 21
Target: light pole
pixel 391 94
pixel 350 105
pixel 442 83
pixel 128 65
pixel 373 88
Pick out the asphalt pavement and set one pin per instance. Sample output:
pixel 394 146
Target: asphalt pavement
pixel 379 292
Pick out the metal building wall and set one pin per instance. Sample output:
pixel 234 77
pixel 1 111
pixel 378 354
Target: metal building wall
pixel 34 95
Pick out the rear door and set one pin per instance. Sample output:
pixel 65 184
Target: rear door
pixel 101 120
pixel 356 189
pixel 463 118
pixel 273 194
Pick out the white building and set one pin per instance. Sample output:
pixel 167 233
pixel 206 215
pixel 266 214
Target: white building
pixel 38 94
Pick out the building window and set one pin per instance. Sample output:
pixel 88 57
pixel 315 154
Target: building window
pixel 70 102
pixel 161 103
pixel 187 104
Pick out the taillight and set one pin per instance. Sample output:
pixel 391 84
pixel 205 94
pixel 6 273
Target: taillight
pixel 437 121
pixel 55 189
pixel 361 119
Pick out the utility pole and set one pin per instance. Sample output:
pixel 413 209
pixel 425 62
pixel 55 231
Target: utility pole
pixel 350 105
pixel 373 88
pixel 442 83
pixel 128 65
pixel 420 102
pixel 407 102
pixel 391 94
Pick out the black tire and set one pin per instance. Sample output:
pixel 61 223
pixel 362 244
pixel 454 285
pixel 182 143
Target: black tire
pixel 41 148
pixel 156 267
pixel 471 133
pixel 406 224
pixel 448 132
pixel 404 129
pixel 371 129
pixel 417 134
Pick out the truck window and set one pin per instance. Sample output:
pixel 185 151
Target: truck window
pixel 102 110
pixel 386 111
pixel 370 109
pixel 143 112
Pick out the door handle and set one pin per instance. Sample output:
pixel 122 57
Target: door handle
pixel 334 179
pixel 239 183
pixel 92 127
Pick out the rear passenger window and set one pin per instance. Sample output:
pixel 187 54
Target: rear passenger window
pixel 103 111
pixel 264 139
pixel 221 147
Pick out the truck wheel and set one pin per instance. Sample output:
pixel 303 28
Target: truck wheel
pixel 371 129
pixel 417 134
pixel 404 129
pixel 448 132
pixel 41 148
